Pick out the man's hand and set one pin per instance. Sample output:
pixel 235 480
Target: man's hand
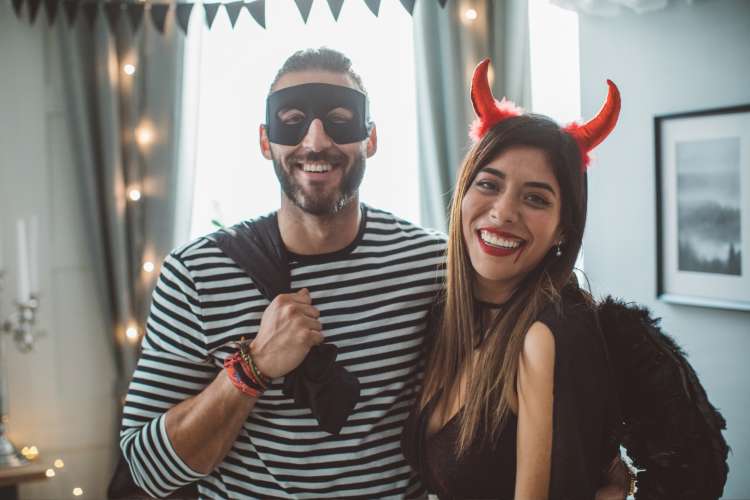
pixel 616 481
pixel 288 329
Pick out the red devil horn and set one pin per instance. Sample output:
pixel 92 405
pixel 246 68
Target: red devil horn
pixel 489 112
pixel 481 94
pixel 598 128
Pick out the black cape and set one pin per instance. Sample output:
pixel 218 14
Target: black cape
pixel 319 383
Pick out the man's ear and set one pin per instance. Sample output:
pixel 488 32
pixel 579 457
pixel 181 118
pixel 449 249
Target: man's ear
pixel 372 141
pixel 265 145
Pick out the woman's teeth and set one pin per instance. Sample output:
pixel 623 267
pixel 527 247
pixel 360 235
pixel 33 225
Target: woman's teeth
pixel 497 241
pixel 316 167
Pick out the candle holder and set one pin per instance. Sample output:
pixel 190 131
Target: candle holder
pixel 20 325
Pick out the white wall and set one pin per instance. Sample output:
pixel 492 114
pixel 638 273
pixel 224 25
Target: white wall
pixel 60 394
pixel 686 57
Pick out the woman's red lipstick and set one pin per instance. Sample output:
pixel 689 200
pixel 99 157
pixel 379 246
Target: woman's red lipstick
pixel 498 251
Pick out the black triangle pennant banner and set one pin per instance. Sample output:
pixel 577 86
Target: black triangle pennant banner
pixel 183 15
pixel 33 9
pixel 135 14
pixel 159 15
pixel 71 10
pixel 335 6
pixel 50 7
pixel 233 10
pixel 442 3
pixel 373 5
pixel 160 10
pixel 112 11
pixel 409 6
pixel 90 10
pixel 211 10
pixel 257 9
pixel 304 7
pixel 17 7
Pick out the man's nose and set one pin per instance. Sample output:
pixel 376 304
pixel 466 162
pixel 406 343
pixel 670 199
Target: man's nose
pixel 316 138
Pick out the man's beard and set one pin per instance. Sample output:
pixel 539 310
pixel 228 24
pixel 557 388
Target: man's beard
pixel 323 204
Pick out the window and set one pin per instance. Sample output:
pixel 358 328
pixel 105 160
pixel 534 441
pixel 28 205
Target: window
pixel 555 66
pixel 228 73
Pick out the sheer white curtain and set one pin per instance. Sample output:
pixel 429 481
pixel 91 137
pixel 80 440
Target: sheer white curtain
pixel 231 70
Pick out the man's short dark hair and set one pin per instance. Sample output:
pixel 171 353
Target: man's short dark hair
pixel 324 59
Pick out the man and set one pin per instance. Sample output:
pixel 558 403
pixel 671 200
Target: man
pixel 362 280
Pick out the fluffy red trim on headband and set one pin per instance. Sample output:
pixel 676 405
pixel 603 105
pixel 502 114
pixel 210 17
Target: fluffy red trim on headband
pixel 491 112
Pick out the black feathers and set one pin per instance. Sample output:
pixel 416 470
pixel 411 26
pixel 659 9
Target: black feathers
pixel 670 429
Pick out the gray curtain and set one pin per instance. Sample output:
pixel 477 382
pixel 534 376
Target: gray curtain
pixel 448 47
pixel 105 106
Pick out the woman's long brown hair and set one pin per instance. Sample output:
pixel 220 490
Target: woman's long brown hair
pixel 492 380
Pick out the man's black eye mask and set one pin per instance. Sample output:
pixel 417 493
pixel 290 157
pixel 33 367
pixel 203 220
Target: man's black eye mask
pixel 317 100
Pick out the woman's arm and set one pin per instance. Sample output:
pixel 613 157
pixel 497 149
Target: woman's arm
pixel 534 440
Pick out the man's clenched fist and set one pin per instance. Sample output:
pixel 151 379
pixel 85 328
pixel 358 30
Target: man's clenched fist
pixel 288 329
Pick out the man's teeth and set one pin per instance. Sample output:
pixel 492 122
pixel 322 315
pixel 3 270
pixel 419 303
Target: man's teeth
pixel 316 167
pixel 496 241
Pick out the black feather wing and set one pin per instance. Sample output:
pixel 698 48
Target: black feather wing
pixel 670 428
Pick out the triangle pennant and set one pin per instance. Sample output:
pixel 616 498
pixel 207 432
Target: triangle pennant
pixel 17 7
pixel 442 3
pixel 71 10
pixel 33 9
pixel 50 7
pixel 90 10
pixel 233 10
pixel 409 6
pixel 211 10
pixel 304 7
pixel 374 6
pixel 335 6
pixel 135 14
pixel 257 9
pixel 159 15
pixel 183 15
pixel 112 11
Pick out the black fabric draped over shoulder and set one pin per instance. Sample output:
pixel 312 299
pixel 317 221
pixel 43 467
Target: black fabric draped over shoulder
pixel 583 438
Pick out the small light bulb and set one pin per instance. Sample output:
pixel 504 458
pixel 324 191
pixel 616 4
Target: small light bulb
pixel 59 463
pixel 144 135
pixel 134 194
pixel 470 14
pixel 148 266
pixel 129 69
pixel 50 473
pixel 131 333
pixel 77 492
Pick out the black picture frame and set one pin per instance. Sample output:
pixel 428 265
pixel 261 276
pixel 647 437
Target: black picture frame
pixel 702 167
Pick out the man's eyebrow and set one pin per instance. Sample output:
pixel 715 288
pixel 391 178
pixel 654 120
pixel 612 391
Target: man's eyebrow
pixel 535 184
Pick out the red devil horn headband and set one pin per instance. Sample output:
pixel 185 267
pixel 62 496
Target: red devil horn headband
pixel 490 112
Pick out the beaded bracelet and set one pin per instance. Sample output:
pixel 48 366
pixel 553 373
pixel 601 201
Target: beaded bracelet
pixel 248 359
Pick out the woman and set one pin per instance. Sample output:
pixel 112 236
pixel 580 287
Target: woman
pixel 516 400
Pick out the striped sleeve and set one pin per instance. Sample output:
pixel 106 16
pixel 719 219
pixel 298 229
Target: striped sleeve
pixel 174 365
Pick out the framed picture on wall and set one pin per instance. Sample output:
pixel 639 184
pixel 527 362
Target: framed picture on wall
pixel 703 207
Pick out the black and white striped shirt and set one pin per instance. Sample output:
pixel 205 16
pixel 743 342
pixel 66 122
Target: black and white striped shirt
pixel 373 297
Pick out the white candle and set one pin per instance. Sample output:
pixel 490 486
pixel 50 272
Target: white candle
pixel 34 254
pixel 23 263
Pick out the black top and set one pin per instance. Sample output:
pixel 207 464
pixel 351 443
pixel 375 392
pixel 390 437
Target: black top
pixel 582 442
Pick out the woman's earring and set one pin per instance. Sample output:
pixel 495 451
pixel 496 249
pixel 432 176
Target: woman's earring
pixel 558 250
